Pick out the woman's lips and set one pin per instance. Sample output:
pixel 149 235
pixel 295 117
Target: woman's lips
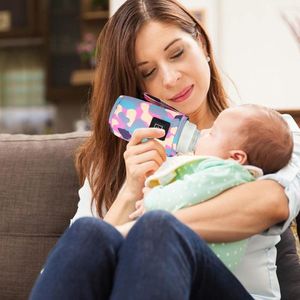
pixel 183 95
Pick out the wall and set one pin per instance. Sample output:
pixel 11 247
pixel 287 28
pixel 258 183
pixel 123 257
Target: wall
pixel 259 53
pixel 114 5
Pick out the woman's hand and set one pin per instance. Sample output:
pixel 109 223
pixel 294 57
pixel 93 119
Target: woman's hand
pixel 141 159
pixel 143 156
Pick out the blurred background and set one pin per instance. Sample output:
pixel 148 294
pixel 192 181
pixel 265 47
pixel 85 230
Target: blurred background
pixel 47 57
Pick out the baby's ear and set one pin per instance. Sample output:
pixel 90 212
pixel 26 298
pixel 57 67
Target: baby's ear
pixel 239 156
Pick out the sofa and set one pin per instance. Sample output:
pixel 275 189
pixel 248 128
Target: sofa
pixel 39 196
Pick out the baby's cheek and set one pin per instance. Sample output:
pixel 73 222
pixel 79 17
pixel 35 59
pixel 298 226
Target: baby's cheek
pixel 201 147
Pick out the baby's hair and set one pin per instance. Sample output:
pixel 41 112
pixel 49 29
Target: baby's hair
pixel 268 140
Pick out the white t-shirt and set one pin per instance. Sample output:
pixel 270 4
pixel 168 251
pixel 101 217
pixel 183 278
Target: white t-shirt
pixel 257 270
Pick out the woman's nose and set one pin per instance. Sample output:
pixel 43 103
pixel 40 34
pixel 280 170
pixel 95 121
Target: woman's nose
pixel 170 77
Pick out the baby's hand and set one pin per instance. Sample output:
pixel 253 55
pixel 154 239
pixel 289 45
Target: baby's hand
pixel 140 210
pixel 146 190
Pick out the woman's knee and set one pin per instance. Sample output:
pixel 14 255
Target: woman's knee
pixel 86 244
pixel 158 223
pixel 88 230
pixel 157 218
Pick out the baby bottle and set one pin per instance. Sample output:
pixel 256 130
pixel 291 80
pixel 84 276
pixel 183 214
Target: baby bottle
pixel 188 138
pixel 129 114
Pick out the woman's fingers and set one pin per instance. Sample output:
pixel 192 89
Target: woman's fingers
pixel 147 156
pixel 143 156
pixel 145 133
pixel 135 150
pixel 143 170
pixel 143 140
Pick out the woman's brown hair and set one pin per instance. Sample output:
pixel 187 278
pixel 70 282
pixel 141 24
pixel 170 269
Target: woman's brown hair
pixel 100 159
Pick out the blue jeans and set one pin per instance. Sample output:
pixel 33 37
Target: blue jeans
pixel 161 258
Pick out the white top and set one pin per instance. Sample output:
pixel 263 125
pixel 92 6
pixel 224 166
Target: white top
pixel 257 270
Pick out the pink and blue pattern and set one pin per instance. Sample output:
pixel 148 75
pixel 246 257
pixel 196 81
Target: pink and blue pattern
pixel 129 114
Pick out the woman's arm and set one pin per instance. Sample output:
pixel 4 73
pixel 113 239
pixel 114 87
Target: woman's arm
pixel 143 156
pixel 239 212
pixel 253 207
pixel 122 207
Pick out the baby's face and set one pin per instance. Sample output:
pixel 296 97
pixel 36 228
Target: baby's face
pixel 223 136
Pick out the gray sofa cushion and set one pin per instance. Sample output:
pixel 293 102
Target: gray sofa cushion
pixel 38 196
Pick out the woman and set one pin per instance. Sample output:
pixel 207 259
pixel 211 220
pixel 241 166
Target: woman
pixel 158 47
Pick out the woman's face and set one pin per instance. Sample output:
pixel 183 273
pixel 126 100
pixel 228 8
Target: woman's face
pixel 173 66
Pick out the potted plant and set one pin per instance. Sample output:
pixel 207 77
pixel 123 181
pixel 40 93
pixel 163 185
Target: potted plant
pixel 86 49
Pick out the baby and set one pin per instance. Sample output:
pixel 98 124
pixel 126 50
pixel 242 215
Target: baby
pixel 244 142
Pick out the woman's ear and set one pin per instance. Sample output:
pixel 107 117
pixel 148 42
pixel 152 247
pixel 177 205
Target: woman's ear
pixel 239 156
pixel 202 42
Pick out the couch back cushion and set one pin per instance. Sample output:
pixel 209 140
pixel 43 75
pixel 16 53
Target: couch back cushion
pixel 38 196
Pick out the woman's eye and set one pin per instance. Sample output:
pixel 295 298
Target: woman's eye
pixel 147 74
pixel 177 54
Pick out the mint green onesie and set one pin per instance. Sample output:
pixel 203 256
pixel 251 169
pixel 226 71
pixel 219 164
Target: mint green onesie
pixel 188 180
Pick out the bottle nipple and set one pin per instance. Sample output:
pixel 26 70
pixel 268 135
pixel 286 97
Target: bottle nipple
pixel 188 138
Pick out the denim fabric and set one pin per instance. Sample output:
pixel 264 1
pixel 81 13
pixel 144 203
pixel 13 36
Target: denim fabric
pixel 160 259
pixel 82 264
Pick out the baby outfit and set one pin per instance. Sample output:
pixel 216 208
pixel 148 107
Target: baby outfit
pixel 186 180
